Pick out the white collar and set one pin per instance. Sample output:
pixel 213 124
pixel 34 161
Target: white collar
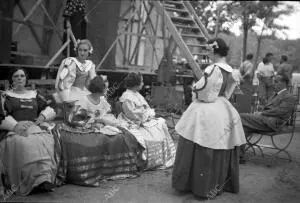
pixel 281 91
pixel 31 94
pixel 83 67
pixel 224 66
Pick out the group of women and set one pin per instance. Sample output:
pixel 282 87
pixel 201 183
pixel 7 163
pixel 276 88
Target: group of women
pixel 93 145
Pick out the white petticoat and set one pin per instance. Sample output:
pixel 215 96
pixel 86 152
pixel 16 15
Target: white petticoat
pixel 214 125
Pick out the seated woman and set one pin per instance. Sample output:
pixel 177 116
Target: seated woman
pixel 74 74
pixel 152 133
pixel 26 151
pixel 93 146
pixel 210 131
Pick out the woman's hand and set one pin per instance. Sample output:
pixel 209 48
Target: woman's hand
pixel 40 119
pixel 22 126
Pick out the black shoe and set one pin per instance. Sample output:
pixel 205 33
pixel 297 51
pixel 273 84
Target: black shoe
pixel 46 187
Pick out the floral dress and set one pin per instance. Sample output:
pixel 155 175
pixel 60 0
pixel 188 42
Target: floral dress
pixel 73 78
pixel 95 152
pixel 151 132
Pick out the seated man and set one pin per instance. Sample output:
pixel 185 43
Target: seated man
pixel 277 110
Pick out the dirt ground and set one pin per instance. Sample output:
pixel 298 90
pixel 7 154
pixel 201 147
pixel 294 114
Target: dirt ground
pixel 258 183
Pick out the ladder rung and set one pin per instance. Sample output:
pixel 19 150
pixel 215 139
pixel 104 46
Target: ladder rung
pixel 182 19
pixel 176 10
pixel 174 2
pixel 193 36
pixel 196 45
pixel 201 53
pixel 186 26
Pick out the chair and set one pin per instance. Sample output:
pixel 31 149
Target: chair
pixel 288 128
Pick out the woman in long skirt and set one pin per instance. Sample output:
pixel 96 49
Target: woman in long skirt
pixel 211 132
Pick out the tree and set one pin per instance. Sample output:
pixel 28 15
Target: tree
pixel 268 23
pixel 215 15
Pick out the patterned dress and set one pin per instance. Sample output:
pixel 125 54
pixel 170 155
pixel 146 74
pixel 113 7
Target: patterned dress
pixel 73 78
pixel 27 160
pixel 152 133
pixel 96 152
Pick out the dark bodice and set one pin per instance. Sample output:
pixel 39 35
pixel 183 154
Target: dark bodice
pixel 24 108
pixel 81 78
pixel 225 81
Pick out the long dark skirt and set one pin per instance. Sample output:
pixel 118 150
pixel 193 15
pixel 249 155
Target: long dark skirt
pixel 203 171
pixel 89 158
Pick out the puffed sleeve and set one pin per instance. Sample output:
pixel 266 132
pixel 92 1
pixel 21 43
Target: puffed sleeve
pixel 66 74
pixel 43 108
pixel 7 122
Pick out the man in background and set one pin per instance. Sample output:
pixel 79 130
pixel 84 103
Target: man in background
pixel 285 68
pixel 265 71
pixel 247 73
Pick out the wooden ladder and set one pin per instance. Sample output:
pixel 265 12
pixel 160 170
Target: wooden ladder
pixel 187 31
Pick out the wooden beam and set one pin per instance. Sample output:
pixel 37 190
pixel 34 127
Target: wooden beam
pixel 121 46
pixel 27 16
pixel 49 33
pixel 141 31
pixel 33 31
pixel 27 23
pixel 120 33
pixel 9 65
pixel 181 44
pixel 143 35
pixel 58 53
pixel 196 19
pixel 51 21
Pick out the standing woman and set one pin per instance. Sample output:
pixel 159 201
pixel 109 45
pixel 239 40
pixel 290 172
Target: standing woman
pixel 210 132
pixel 26 151
pixel 75 73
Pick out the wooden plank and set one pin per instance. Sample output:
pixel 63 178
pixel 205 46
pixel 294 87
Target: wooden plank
pixel 190 8
pixel 49 33
pixel 121 69
pixel 27 16
pixel 46 33
pixel 33 31
pixel 143 35
pixel 144 25
pixel 58 53
pixel 51 21
pixel 181 44
pixel 27 23
pixel 120 33
pixel 10 65
pixel 177 10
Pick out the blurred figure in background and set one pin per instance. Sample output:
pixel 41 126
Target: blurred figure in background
pixel 285 68
pixel 265 71
pixel 247 72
